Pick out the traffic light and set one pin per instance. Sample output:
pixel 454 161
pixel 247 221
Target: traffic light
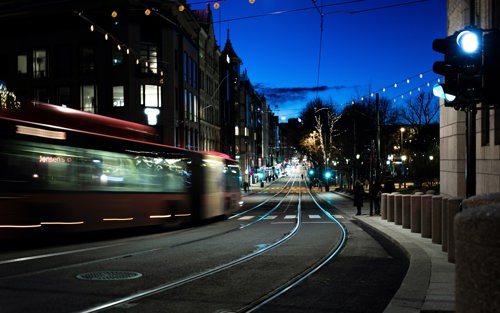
pixel 491 68
pixel 328 174
pixel 447 68
pixel 462 67
pixel 311 172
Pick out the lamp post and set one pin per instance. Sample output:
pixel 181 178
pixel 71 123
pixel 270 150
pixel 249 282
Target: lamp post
pixel 403 158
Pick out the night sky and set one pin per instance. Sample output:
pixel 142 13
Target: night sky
pixel 366 46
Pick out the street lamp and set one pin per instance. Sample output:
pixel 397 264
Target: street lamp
pixel 402 130
pixel 403 158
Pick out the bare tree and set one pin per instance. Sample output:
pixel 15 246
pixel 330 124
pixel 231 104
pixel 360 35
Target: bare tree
pixel 423 110
pixel 421 114
pixel 310 143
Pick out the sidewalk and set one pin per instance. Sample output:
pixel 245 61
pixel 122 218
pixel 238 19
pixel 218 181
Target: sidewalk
pixel 256 187
pixel 429 284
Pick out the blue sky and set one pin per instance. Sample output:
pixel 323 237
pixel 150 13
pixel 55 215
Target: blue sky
pixel 366 45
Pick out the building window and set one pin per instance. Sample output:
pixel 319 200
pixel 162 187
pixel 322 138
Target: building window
pixel 151 96
pixel 22 64
pixel 497 126
pixel 118 96
pixel 40 63
pixel 87 60
pixel 41 94
pixel 195 108
pixel 186 101
pixel 485 126
pixel 63 95
pixel 149 58
pixel 88 101
pixel 185 67
pixel 195 75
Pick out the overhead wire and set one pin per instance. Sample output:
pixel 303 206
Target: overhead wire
pixel 320 11
pixel 286 11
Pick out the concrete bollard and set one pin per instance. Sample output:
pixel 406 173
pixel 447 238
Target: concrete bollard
pixel 383 206
pixel 405 208
pixel 437 205
pixel 477 239
pixel 453 209
pixel 398 209
pixel 416 205
pixel 426 216
pixel 390 207
pixel 444 225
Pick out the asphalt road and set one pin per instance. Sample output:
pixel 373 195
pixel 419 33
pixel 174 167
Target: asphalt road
pixel 207 268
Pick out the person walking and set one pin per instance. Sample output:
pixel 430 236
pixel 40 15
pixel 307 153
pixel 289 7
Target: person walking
pixel 376 195
pixel 359 192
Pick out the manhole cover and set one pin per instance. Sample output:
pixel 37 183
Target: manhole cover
pixel 109 275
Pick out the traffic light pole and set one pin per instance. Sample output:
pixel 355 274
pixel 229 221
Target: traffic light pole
pixel 470 166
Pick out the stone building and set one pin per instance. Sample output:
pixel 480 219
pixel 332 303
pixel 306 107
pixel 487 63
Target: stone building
pixel 485 14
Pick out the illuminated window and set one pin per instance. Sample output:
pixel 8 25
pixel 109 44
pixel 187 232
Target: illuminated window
pixel 149 57
pixel 40 64
pixel 195 108
pixel 118 96
pixel 22 64
pixel 88 101
pixel 151 96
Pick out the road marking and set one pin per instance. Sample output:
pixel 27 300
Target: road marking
pixel 314 216
pixel 289 217
pixel 270 217
pixel 338 216
pixel 245 218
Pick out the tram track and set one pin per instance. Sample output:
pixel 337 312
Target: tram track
pixel 263 300
pixel 167 286
pixel 254 306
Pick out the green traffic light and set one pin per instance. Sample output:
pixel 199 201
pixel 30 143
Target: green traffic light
pixel 328 175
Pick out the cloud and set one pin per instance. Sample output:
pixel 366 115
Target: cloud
pixel 288 94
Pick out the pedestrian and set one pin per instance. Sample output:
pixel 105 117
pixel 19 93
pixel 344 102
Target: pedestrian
pixel 359 192
pixel 245 186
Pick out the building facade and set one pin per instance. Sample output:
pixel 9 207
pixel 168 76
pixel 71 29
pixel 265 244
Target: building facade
pixel 485 14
